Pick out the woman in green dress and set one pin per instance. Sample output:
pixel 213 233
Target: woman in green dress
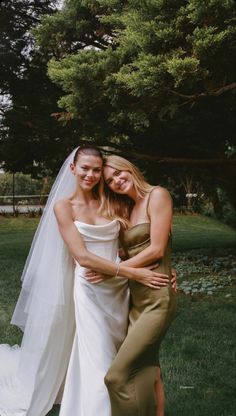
pixel 134 379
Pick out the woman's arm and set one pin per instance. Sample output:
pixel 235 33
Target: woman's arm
pixel 160 212
pixel 85 258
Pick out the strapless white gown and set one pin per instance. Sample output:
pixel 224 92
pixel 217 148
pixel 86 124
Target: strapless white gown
pixel 101 315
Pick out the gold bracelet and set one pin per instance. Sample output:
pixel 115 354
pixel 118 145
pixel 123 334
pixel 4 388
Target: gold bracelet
pixel 117 270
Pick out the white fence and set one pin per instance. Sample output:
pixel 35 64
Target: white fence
pixel 22 203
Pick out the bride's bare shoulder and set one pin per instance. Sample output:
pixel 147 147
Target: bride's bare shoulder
pixel 63 206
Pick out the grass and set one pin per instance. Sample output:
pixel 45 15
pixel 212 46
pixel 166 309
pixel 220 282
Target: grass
pixel 197 231
pixel 197 355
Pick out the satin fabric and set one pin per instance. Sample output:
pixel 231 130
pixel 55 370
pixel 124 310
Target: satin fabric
pixel 86 350
pixel 101 313
pixel 132 376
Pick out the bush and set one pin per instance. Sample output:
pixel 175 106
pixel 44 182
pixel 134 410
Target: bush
pixel 24 185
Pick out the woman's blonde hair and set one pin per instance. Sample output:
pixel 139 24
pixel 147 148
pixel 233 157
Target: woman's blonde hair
pixel 120 206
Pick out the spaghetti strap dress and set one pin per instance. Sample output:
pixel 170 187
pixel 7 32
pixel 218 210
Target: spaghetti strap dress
pixel 132 376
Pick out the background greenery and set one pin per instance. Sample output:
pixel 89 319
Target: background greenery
pixel 198 353
pixel 153 80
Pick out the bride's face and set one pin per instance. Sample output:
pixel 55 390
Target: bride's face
pixel 88 171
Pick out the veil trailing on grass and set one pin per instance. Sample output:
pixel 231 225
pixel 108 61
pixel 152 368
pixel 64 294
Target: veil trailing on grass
pixel 30 376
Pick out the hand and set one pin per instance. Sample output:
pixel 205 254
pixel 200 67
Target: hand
pixel 152 266
pixel 151 279
pixel 95 277
pixel 174 279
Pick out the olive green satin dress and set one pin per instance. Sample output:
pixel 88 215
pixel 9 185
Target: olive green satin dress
pixel 132 376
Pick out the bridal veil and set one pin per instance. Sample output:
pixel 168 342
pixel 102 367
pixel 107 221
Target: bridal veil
pixel 44 311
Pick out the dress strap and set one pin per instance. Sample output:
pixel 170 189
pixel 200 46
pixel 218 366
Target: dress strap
pixel 148 202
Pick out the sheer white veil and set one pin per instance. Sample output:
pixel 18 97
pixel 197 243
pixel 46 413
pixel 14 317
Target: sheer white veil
pixel 45 312
pixel 45 308
pixel 48 263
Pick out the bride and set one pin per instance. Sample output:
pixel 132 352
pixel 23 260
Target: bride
pixel 72 329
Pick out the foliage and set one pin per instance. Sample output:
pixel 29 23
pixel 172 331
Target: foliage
pixel 160 48
pixel 17 17
pixel 155 76
pixel 227 213
pixel 30 136
pixel 24 185
pixel 203 272
pixel 193 193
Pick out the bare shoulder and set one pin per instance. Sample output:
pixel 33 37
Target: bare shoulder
pixel 160 194
pixel 62 207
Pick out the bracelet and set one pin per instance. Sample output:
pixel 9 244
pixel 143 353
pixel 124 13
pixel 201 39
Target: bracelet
pixel 117 270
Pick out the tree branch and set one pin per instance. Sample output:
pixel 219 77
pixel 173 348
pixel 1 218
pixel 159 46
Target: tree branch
pixel 214 93
pixel 185 161
pixel 167 160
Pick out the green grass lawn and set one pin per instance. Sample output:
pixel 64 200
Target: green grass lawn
pixel 197 231
pixel 198 353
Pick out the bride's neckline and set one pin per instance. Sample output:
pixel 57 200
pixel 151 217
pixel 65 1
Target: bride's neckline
pixel 95 225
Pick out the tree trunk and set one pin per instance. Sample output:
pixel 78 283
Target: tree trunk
pixel 218 209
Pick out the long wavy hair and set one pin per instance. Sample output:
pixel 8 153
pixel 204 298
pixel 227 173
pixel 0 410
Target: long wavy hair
pixel 118 206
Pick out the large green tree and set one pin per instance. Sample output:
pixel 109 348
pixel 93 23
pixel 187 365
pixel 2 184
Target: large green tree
pixel 144 68
pixel 155 78
pixel 151 79
pixel 30 137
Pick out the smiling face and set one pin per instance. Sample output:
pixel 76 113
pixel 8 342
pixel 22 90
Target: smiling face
pixel 119 181
pixel 88 171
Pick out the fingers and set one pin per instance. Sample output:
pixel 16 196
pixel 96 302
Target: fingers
pixel 162 281
pixel 174 286
pixel 174 279
pixel 154 285
pixel 95 280
pixel 90 277
pixel 162 275
pixel 174 275
pixel 93 277
pixel 89 273
pixel 153 280
pixel 152 266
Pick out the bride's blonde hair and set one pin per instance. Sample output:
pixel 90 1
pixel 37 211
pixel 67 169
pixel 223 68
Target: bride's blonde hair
pixel 118 206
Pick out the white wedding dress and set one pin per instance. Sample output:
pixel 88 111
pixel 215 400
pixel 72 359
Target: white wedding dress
pixel 101 315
